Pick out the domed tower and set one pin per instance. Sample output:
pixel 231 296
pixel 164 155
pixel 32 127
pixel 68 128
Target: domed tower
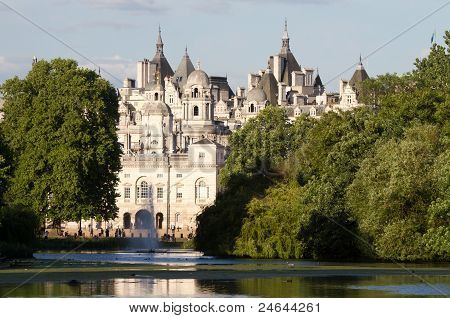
pixel 157 121
pixel 198 108
pixel 197 100
pixel 256 100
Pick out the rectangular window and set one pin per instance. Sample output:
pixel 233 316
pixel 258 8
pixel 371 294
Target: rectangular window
pixel 126 175
pixel 201 155
pixel 159 193
pixel 159 175
pixel 127 193
pixel 179 175
pixel 179 195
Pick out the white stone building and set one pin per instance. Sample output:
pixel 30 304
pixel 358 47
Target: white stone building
pixel 173 146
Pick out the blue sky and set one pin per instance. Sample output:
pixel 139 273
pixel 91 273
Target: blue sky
pixel 228 36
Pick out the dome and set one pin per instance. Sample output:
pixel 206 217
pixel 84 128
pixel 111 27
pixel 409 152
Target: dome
pixel 256 94
pixel 198 77
pixel 155 108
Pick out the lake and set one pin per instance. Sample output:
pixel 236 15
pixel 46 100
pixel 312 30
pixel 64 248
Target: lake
pixel 184 273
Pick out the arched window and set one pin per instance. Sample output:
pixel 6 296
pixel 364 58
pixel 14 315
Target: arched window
pixel 143 190
pixel 202 191
pixel 252 108
pixel 159 220
pixel 177 218
pixel 195 93
pixel 156 96
pixel 126 220
pixel 207 111
pixel 195 110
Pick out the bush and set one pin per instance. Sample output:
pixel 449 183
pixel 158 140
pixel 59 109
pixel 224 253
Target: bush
pixel 18 225
pixel 18 230
pixel 15 250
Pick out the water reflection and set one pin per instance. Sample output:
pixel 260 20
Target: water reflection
pixel 376 286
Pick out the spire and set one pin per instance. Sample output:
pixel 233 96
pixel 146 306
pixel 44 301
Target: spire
pixel 184 69
pixel 285 38
pixel 360 64
pixel 159 42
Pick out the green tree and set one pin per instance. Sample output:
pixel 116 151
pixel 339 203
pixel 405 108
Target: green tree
pixel 60 126
pixel 397 197
pixel 260 147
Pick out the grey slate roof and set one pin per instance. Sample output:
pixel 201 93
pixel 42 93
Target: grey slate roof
pixel 184 69
pixel 290 65
pixel 163 66
pixel 269 85
pixel 359 75
pixel 318 81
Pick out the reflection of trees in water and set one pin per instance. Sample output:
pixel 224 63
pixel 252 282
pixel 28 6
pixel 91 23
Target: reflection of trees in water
pixel 332 286
pixel 224 287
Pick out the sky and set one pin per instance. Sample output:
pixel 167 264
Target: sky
pixel 229 37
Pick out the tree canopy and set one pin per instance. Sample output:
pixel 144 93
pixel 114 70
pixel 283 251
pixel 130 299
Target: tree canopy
pixel 60 128
pixel 374 182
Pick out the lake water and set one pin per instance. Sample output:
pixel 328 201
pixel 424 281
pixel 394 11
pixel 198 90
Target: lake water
pixel 281 280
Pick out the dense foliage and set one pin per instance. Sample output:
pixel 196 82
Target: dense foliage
pixel 60 128
pixel 370 183
pixel 18 231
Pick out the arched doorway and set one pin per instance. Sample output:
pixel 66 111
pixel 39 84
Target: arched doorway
pixel 142 220
pixel 159 220
pixel 127 221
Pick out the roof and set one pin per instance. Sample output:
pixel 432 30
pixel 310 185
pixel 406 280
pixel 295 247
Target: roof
pixel 162 65
pixel 318 81
pixel 256 94
pixel 222 82
pixel 156 108
pixel 290 66
pixel 198 77
pixel 270 87
pixel 206 141
pixel 359 75
pixel 184 69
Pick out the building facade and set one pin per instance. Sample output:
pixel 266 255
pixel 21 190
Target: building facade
pixel 173 146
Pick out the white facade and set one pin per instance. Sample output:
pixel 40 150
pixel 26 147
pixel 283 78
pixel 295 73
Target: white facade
pixel 173 147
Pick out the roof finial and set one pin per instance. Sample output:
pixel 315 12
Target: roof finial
pixel 198 64
pixel 159 42
pixel 360 58
pixel 317 70
pixel 285 38
pixel 34 59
